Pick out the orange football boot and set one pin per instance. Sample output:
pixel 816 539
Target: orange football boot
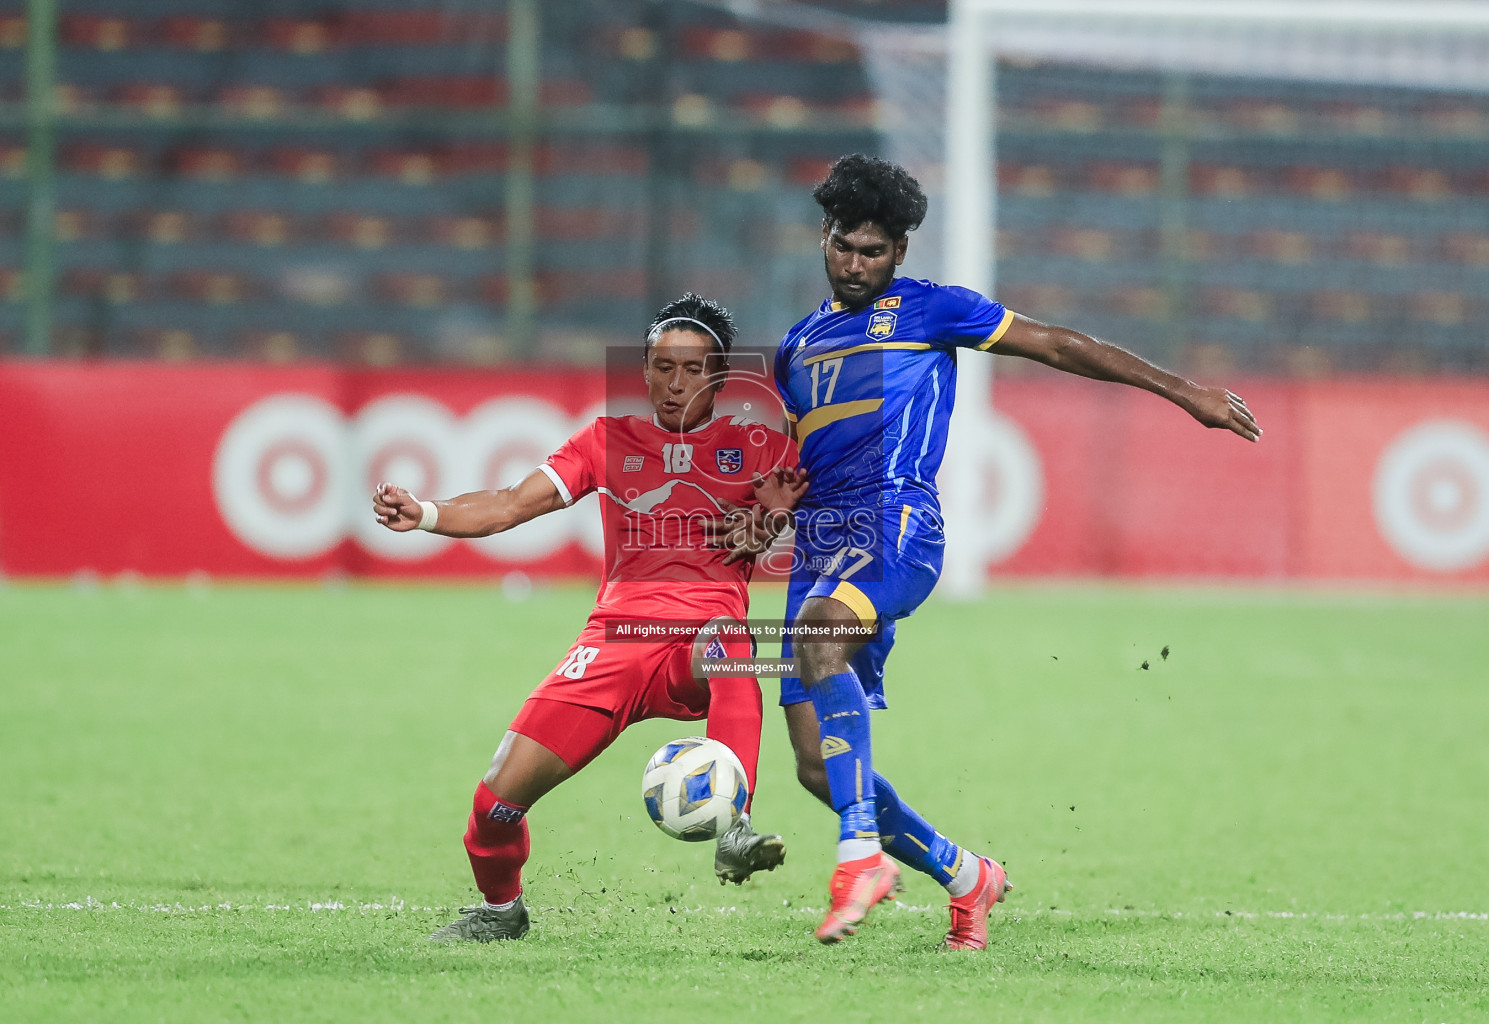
pixel 969 912
pixel 857 886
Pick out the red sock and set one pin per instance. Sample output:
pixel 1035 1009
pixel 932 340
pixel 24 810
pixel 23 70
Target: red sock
pixel 734 712
pixel 497 848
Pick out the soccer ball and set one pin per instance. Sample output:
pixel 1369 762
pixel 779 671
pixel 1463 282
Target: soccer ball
pixel 694 789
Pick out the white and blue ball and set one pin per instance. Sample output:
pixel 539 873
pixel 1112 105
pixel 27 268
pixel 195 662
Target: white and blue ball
pixel 694 789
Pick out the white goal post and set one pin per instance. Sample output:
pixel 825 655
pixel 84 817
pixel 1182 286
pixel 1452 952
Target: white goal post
pixel 1426 43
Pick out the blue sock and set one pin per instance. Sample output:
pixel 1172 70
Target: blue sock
pixel 909 838
pixel 843 722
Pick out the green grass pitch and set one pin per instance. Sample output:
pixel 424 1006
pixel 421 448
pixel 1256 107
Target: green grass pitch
pixel 245 803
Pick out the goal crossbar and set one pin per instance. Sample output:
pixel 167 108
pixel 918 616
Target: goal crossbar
pixel 1394 16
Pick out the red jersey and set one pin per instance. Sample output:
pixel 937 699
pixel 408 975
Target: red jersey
pixel 657 489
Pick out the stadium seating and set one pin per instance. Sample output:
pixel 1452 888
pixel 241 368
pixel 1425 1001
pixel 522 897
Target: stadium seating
pixel 337 187
pixel 226 214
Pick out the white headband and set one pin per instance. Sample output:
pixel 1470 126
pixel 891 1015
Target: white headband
pixel 656 332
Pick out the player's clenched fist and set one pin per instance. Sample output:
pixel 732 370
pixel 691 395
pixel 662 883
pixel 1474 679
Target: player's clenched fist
pixel 396 508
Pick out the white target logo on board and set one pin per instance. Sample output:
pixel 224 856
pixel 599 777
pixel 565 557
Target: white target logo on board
pixel 1431 495
pixel 1011 489
pixel 293 477
pixel 280 476
pixel 510 436
pixel 416 443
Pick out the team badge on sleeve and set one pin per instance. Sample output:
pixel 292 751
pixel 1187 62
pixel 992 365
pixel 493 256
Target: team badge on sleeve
pixel 730 460
pixel 881 324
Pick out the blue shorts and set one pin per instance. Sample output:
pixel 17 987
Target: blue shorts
pixel 914 543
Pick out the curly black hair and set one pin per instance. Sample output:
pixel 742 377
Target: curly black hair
pixel 864 188
pixel 694 307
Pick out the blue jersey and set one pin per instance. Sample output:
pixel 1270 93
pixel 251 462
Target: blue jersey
pixel 870 390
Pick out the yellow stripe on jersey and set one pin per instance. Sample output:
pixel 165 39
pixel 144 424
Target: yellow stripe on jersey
pixel 904 522
pixel 951 872
pixel 877 346
pixel 857 601
pixel 1002 329
pixel 821 417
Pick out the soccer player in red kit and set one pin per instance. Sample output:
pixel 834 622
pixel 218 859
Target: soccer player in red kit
pixel 668 484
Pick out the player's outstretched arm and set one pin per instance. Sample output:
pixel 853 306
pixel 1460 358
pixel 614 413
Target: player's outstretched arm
pixel 1081 354
pixel 476 514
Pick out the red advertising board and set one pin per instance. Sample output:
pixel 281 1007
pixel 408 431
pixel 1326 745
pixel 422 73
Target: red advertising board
pixel 1394 481
pixel 253 471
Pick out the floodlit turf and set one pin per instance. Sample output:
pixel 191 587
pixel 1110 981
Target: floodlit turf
pixel 246 803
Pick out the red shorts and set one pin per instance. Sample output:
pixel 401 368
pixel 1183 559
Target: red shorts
pixel 602 686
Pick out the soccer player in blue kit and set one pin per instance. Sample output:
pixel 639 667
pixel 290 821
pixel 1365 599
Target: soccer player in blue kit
pixel 868 382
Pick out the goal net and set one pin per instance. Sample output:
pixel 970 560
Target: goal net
pixel 1229 188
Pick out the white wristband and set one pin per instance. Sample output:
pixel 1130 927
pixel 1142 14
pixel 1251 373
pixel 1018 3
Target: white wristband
pixel 430 517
